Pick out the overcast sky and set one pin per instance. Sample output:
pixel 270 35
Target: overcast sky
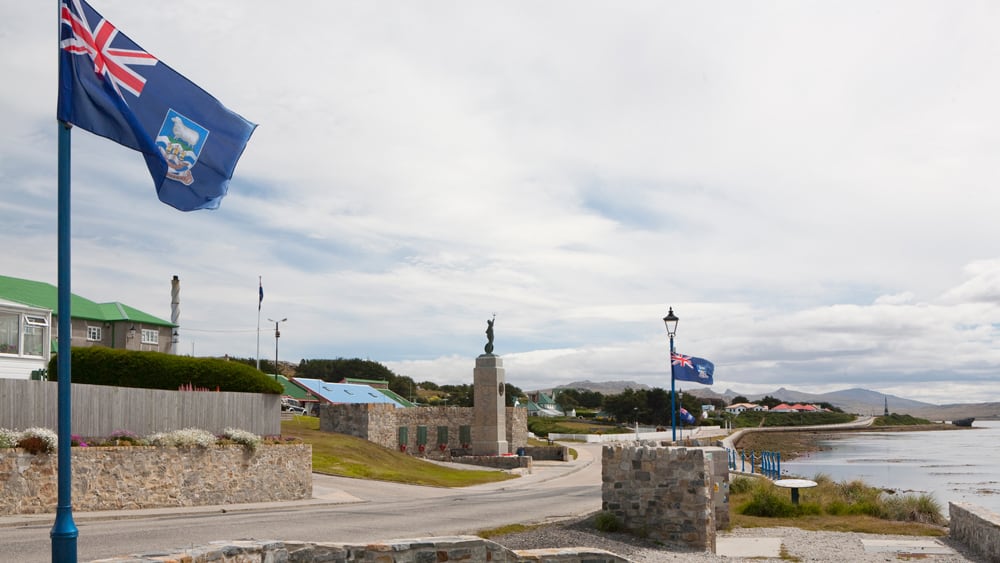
pixel 812 186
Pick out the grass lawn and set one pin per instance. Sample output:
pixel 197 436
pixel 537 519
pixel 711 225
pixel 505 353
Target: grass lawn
pixel 347 456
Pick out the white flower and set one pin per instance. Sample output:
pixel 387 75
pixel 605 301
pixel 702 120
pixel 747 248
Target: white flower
pixel 249 440
pixel 48 437
pixel 8 438
pixel 184 438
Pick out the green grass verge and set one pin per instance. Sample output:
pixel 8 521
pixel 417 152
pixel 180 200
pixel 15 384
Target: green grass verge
pixel 542 426
pixel 347 456
pixel 899 420
pixel 846 506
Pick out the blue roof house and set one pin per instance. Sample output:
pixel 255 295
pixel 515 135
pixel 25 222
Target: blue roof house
pixel 344 393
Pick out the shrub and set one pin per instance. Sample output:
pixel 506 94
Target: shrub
pixel 767 502
pixel 185 438
pixel 38 440
pixel 911 508
pixel 857 492
pixel 8 438
pixel 156 370
pixel 123 437
pixel 248 440
pixel 740 485
pixel 607 522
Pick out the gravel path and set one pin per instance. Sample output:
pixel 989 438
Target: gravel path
pixel 799 545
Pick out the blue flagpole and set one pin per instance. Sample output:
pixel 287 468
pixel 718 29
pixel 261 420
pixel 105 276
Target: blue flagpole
pixel 673 406
pixel 64 531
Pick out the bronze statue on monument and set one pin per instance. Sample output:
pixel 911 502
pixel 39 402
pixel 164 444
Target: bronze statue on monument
pixel 489 335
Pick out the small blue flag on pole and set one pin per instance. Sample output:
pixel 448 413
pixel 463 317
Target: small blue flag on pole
pixel 260 300
pixel 112 87
pixel 689 368
pixel 686 417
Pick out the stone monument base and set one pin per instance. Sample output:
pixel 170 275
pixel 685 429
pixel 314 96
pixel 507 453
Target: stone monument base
pixel 489 432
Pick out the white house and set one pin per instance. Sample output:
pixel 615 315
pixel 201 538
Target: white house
pixel 29 329
pixel 24 339
pixel 737 408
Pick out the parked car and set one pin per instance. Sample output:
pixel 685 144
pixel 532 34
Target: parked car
pixel 292 406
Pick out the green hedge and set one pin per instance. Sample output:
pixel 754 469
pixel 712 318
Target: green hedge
pixel 155 370
pixel 752 419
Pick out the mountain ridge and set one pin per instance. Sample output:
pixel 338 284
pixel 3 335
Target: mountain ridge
pixel 854 400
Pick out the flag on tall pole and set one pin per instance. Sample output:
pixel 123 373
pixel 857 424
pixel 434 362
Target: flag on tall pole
pixel 260 301
pixel 690 368
pixel 110 86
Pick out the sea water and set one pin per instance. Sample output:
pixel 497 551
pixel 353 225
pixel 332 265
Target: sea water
pixel 952 465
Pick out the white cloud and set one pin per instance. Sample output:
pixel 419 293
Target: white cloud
pixel 814 201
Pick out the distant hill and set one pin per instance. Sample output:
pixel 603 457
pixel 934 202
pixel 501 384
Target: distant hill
pixel 854 400
pixel 604 387
pixel 980 411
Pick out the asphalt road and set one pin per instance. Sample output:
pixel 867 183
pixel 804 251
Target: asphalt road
pixel 348 510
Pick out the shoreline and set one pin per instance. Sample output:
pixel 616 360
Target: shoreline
pixel 793 444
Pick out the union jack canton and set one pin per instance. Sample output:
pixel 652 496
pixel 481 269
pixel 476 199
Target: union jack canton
pixel 110 86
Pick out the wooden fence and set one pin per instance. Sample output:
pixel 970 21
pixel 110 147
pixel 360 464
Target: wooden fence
pixel 99 410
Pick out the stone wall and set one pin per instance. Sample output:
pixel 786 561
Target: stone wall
pixel 976 527
pixel 126 478
pixel 380 423
pixel 665 493
pixel 436 549
pixel 497 461
pixel 548 453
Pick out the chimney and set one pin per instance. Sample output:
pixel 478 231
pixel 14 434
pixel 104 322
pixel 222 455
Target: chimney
pixel 175 312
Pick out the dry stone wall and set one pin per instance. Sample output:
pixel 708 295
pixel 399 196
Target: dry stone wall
pixel 416 550
pixel 125 478
pixel 666 493
pixel 380 423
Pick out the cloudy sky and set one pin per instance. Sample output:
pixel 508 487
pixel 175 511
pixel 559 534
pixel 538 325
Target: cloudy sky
pixel 812 186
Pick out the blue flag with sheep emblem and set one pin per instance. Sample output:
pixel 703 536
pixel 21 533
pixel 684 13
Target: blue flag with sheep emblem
pixel 111 87
pixel 690 368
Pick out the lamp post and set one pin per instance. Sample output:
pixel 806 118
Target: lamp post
pixel 277 335
pixel 671 322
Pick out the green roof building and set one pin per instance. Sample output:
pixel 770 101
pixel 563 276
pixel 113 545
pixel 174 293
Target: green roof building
pixel 29 312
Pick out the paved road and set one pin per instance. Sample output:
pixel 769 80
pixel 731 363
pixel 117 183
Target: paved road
pixel 341 510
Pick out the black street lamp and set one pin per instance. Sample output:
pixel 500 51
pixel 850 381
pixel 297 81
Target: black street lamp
pixel 671 321
pixel 277 335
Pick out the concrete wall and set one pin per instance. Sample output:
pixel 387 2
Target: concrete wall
pixel 698 433
pixel 670 494
pixel 380 424
pixel 99 410
pixel 124 478
pixel 416 550
pixel 975 527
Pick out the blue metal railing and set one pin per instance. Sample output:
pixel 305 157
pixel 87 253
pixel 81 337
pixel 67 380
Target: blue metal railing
pixel 768 463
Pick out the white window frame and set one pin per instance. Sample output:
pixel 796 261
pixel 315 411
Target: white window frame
pixel 17 328
pixel 35 320
pixel 150 336
pixel 34 324
pixel 93 333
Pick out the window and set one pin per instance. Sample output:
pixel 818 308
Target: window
pixel 150 336
pixel 8 332
pixel 34 335
pixel 94 333
pixel 31 320
pixel 25 335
